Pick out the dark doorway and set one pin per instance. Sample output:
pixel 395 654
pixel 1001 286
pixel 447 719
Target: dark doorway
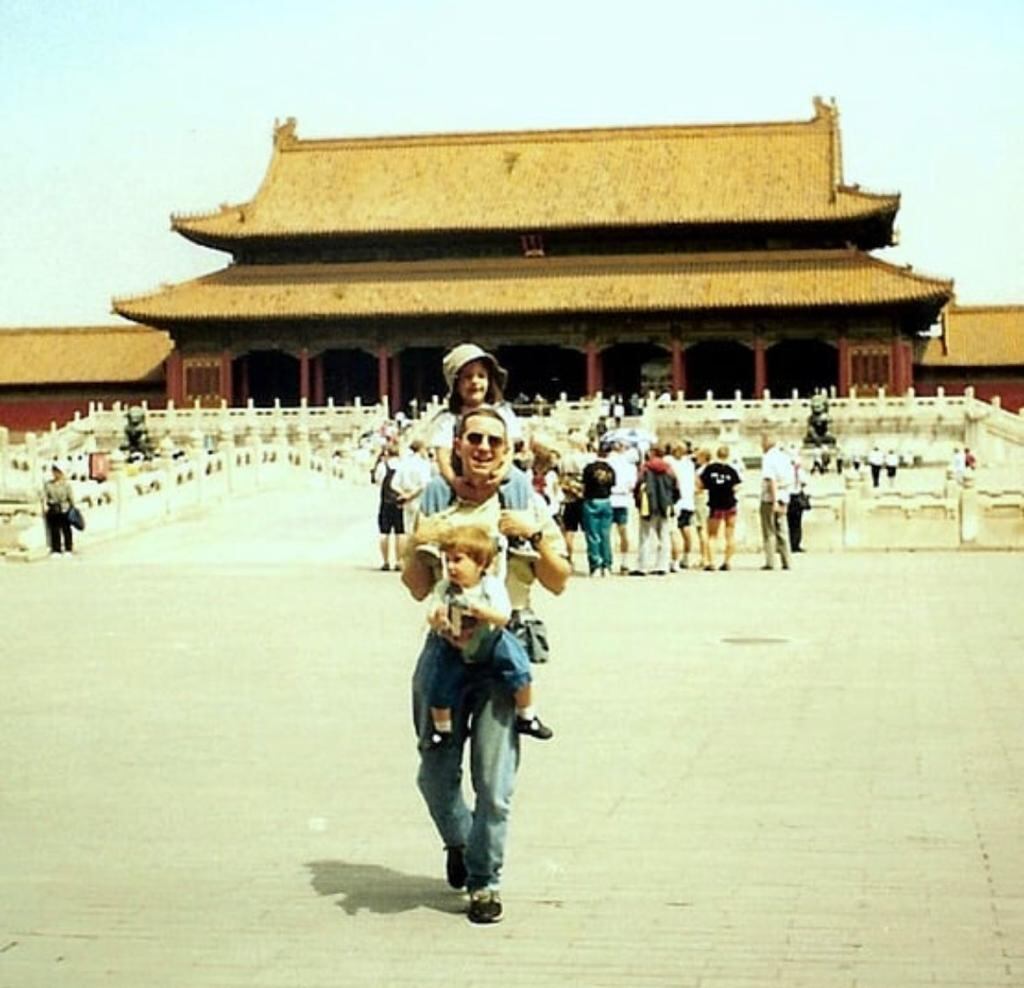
pixel 635 368
pixel 350 374
pixel 804 366
pixel 721 367
pixel 422 378
pixel 272 374
pixel 548 371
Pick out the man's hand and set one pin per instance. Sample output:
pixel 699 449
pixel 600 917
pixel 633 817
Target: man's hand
pixel 431 529
pixel 438 620
pixel 517 524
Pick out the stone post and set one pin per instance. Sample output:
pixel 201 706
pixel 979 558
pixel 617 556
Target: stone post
pixel 969 511
pixel 302 445
pixel 118 478
pixel 165 454
pixel 197 454
pixel 853 511
pixel 951 487
pixel 32 458
pixel 326 453
pixel 227 443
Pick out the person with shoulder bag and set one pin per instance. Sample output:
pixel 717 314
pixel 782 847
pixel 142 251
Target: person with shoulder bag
pixel 58 504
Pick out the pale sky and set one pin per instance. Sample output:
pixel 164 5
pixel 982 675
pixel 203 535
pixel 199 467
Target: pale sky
pixel 121 112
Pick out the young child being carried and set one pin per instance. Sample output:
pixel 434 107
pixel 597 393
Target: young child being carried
pixel 468 613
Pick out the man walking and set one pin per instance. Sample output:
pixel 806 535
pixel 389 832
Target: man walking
pixel 484 713
pixel 776 484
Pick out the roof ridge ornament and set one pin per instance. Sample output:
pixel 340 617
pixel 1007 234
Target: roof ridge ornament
pixel 284 133
pixel 828 112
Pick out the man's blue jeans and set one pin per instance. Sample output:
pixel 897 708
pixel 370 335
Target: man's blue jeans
pixel 493 762
pixel 597 526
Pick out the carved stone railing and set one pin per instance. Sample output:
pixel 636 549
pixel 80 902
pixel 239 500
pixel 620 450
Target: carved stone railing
pixel 203 457
pixel 922 429
pixel 952 515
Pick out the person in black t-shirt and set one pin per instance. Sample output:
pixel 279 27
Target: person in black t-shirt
pixel 720 479
pixel 598 480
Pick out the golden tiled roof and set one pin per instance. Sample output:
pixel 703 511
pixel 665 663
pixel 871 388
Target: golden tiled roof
pixel 978 336
pixel 89 354
pixel 540 180
pixel 547 285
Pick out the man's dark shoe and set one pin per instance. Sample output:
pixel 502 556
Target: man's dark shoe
pixel 484 906
pixel 455 866
pixel 436 739
pixel 533 727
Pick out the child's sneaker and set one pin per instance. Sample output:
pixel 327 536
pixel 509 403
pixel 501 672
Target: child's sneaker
pixel 534 727
pixel 522 548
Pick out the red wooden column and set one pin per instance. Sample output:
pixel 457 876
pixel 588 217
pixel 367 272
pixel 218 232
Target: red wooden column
pixel 304 374
pixel 678 367
pixel 593 369
pixel 396 386
pixel 908 364
pixel 243 380
pixel 896 374
pixel 318 380
pixel 382 373
pixel 225 377
pixel 760 367
pixel 843 366
pixel 174 380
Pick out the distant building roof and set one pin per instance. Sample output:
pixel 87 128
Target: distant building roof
pixel 542 180
pixel 82 355
pixel 677 282
pixel 978 336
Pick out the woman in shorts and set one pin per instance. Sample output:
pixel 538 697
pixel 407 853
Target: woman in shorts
pixel 720 479
pixel 701 512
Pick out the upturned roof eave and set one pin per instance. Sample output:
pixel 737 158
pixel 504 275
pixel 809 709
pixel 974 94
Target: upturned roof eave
pixel 928 293
pixel 220 229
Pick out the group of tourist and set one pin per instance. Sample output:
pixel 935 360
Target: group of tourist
pixel 640 510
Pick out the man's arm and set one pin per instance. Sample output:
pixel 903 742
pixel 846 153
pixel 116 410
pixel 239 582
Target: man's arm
pixel 419 569
pixel 551 568
pixel 417 572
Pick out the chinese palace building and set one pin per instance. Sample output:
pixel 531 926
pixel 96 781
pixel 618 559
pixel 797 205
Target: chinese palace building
pixel 707 258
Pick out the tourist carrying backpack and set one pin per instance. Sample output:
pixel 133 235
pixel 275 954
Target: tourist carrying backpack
pixel 657 491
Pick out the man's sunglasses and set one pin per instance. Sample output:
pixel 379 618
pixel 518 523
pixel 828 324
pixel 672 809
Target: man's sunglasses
pixel 479 438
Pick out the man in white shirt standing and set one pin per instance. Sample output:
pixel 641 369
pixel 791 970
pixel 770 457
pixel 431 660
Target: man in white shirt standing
pixel 622 498
pixel 776 484
pixel 412 474
pixel 681 462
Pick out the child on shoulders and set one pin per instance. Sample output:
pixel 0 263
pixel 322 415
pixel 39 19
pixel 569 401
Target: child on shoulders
pixel 468 613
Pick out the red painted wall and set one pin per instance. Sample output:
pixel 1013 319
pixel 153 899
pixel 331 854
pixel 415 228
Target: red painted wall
pixel 1008 387
pixel 35 413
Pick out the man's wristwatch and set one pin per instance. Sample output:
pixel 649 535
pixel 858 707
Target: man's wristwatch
pixel 536 539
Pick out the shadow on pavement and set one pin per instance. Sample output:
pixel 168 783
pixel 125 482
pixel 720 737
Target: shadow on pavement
pixel 379 889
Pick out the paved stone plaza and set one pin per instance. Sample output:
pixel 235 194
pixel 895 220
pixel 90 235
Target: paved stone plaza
pixel 806 778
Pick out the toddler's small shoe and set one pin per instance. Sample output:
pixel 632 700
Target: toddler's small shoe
pixel 534 727
pixel 522 548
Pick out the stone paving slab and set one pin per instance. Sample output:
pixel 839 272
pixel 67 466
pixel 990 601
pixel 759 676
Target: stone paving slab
pixel 804 778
